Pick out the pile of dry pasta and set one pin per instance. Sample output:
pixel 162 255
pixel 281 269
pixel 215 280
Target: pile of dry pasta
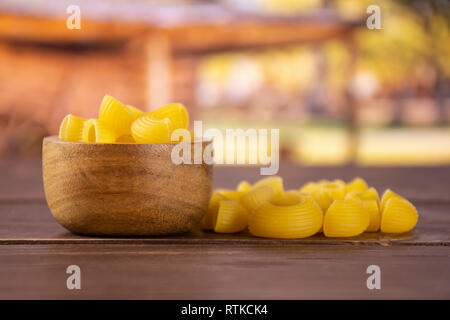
pixel 121 123
pixel 336 208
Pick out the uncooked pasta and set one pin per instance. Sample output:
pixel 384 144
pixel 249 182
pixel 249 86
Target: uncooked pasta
pixel 286 219
pixel 98 131
pixel 71 128
pixel 345 218
pixel 117 115
pixel 336 208
pixel 231 217
pixel 148 129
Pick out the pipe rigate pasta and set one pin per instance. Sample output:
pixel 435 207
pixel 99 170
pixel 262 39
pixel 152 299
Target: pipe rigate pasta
pixel 275 182
pixel 347 209
pixel 243 186
pixel 345 218
pixel 117 115
pixel 128 138
pixel 398 216
pixel 231 217
pixel 388 194
pixel 209 219
pixel 257 196
pixel 231 194
pixel 370 194
pixel 357 184
pixel 148 129
pixel 98 131
pixel 176 113
pixel 374 215
pixel 71 128
pixel 371 205
pixel 327 193
pixel 295 220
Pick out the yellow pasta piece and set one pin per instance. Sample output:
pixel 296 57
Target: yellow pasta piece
pixel 309 187
pixel 374 215
pixel 303 195
pixel 275 182
pixel 388 194
pixel 243 186
pixel 357 184
pixel 126 139
pixel 231 194
pixel 71 128
pixel 312 187
pixel 370 202
pixel 336 189
pixel 231 217
pixel 117 115
pixel 209 219
pixel 148 129
pixel 353 195
pixel 287 198
pixel 339 182
pixel 329 192
pixel 136 112
pixel 345 218
pixel 370 194
pixel 98 131
pixel 399 215
pixel 257 196
pixel 176 113
pixel 300 218
pixel 309 196
pixel 322 199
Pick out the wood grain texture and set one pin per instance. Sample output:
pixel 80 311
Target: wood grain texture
pixel 193 28
pixel 123 189
pixel 21 179
pixel 224 272
pixel 35 250
pixel 33 223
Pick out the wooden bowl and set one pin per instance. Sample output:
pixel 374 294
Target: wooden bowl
pixel 123 189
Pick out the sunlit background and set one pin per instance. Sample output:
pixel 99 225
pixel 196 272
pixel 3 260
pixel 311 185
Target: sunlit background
pixel 339 92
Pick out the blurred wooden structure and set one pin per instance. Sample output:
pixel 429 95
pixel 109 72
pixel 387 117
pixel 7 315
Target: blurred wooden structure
pixel 142 53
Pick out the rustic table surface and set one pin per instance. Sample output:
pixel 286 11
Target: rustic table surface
pixel 35 250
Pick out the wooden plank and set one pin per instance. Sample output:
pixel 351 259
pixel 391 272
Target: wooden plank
pixel 21 179
pixel 33 29
pixel 32 223
pixel 194 39
pixel 191 27
pixel 224 272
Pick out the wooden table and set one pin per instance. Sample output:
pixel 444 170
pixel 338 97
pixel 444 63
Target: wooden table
pixel 35 251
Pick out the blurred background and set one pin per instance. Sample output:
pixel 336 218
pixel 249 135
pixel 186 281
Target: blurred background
pixel 339 92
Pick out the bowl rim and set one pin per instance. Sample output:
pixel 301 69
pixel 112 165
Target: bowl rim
pixel 56 139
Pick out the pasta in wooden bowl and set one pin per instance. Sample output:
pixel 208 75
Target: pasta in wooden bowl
pixel 99 181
